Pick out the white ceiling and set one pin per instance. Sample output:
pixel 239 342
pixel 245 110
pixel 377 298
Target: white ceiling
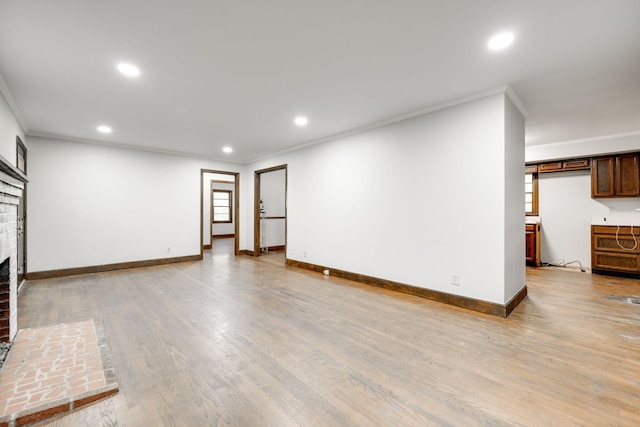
pixel 236 73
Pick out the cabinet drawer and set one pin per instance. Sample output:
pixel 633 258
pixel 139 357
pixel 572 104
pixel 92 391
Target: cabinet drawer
pixel 615 262
pixel 576 164
pixel 550 167
pixel 565 165
pixel 623 244
pixel 625 230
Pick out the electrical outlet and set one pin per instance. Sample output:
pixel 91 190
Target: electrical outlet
pixel 304 254
pixel 169 250
pixel 455 279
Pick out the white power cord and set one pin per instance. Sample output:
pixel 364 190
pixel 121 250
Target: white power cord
pixel 562 263
pixel 635 239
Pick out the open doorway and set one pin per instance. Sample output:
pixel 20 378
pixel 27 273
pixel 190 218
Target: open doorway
pixel 219 209
pixel 21 232
pixel 270 210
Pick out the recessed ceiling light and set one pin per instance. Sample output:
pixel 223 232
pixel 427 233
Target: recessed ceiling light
pixel 227 149
pixel 301 121
pixel 129 70
pixel 104 129
pixel 500 41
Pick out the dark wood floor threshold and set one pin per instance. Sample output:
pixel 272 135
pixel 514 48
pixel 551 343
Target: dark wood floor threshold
pixel 486 307
pixel 270 249
pixel 629 275
pixel 37 275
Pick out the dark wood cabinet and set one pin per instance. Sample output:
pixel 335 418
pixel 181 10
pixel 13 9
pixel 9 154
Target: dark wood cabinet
pixel 550 167
pixel 615 176
pixel 531 169
pixel 564 165
pixel 532 243
pixel 627 176
pixel 602 177
pixel 615 250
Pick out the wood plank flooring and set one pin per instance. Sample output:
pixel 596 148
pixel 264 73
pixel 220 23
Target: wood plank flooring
pixel 245 341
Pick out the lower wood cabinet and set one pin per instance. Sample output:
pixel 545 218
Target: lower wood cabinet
pixel 615 250
pixel 532 242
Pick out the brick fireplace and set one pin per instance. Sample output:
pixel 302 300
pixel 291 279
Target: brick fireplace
pixel 11 186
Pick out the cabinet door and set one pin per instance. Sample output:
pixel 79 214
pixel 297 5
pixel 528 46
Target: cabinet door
pixel 530 240
pixel 602 177
pixel 627 178
pixel 532 244
pixel 550 167
pixel 572 165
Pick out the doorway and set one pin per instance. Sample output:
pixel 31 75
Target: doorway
pixel 21 236
pixel 208 179
pixel 21 232
pixel 270 210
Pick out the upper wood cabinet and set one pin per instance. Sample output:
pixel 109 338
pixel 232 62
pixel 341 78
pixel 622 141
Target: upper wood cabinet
pixel 564 165
pixel 627 176
pixel 615 176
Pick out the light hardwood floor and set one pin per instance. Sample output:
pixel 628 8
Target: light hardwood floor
pixel 248 342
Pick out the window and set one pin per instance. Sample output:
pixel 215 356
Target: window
pixel 531 194
pixel 221 206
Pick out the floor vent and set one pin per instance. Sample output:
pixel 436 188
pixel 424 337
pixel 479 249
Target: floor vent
pixel 634 300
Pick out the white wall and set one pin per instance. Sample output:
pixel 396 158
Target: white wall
pixel 9 129
pixel 566 209
pixel 515 273
pixel 93 205
pixel 413 202
pixel 583 148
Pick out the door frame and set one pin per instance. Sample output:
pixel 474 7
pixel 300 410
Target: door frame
pixel 21 165
pixel 236 209
pixel 256 205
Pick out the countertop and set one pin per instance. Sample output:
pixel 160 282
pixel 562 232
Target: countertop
pixel 616 220
pixel 532 220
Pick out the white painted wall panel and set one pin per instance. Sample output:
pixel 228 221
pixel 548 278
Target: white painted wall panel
pixel 515 271
pixel 93 205
pixel 413 202
pixel 583 148
pixel 9 128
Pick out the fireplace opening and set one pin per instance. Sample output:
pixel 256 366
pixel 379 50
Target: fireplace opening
pixel 5 306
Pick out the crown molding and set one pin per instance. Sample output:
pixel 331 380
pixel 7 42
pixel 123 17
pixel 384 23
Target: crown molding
pixel 513 96
pixel 127 146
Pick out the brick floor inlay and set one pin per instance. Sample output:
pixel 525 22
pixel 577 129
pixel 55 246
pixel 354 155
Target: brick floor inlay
pixel 54 369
